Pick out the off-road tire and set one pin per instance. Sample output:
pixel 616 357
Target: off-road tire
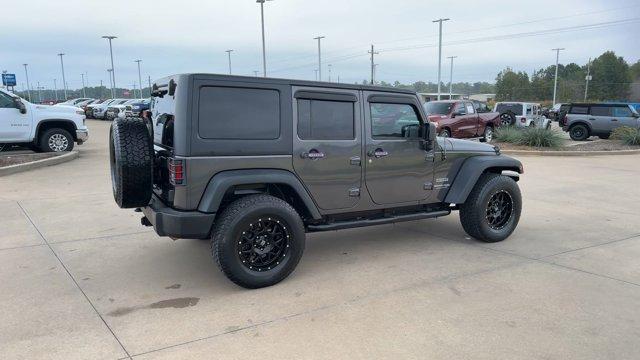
pixel 131 159
pixel 473 213
pixel 507 118
pixel 43 142
pixel 579 132
pixel 228 229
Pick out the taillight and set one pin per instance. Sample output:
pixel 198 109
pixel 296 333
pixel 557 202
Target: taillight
pixel 523 120
pixel 565 120
pixel 176 171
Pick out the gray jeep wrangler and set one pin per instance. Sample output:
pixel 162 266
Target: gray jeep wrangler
pixel 255 163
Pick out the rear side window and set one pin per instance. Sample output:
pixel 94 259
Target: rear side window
pixel 622 111
pixel 516 109
pixel 579 110
pixel 239 113
pixel 601 111
pixel 325 120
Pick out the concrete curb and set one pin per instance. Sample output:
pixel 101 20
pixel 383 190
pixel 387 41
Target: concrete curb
pixel 13 169
pixel 569 153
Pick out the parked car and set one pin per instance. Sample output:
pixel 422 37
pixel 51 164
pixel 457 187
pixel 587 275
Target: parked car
pixel 255 163
pixel 120 109
pixel 42 127
pixel 593 119
pixel 100 111
pixel 462 119
pixel 521 114
pixel 139 107
pixel 556 113
pixel 88 108
pixel 72 102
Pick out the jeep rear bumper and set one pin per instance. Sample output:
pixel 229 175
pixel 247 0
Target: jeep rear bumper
pixel 177 224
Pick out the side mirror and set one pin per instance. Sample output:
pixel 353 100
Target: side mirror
pixel 20 106
pixel 411 131
pixel 430 134
pixel 457 113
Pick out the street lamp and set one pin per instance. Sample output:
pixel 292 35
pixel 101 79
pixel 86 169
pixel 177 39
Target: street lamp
pixel 64 81
pixel 84 92
pixel 264 52
pixel 229 55
pixel 440 21
pixel 26 74
pixel 113 72
pixel 109 71
pixel 55 87
pixel 451 76
pixel 555 81
pixel 319 57
pixel 140 76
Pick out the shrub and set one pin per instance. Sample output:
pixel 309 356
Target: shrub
pixel 539 137
pixel 632 138
pixel 508 134
pixel 623 132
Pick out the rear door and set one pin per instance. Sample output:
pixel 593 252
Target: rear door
pixel 327 145
pixel 600 118
pixel 397 169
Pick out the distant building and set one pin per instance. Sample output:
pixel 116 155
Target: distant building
pixel 426 97
pixel 482 97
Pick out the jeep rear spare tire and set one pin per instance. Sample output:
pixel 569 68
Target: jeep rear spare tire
pixel 131 159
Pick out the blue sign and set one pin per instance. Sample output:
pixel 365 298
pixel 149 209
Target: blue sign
pixel 9 79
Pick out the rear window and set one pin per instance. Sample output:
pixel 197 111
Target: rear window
pixel 579 110
pixel 601 111
pixel 239 113
pixel 437 108
pixel 516 109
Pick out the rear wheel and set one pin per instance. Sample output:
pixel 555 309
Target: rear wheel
pixel 55 140
pixel 488 134
pixel 445 133
pixel 492 209
pixel 507 118
pixel 578 132
pixel 258 241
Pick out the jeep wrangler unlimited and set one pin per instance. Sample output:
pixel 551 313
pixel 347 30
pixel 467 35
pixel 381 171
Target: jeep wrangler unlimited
pixel 255 163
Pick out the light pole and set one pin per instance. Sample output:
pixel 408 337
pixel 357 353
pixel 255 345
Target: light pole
pixel 555 80
pixel 84 93
pixel 26 74
pixel 264 51
pixel 451 76
pixel 439 21
pixel 139 76
pixel 64 81
pixel 587 79
pixel 315 73
pixel 329 66
pixel 149 79
pixel 55 88
pixel 229 56
pixel 113 72
pixel 109 71
pixel 319 57
pixel 255 72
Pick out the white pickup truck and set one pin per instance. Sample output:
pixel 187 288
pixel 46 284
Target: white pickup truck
pixel 42 127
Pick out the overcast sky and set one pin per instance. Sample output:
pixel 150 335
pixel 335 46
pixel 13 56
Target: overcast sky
pixel 192 36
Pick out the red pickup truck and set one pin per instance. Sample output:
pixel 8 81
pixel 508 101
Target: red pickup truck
pixel 463 119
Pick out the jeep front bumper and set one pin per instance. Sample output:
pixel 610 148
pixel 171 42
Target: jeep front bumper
pixel 82 136
pixel 177 224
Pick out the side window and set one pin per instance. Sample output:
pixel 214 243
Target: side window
pixel 469 108
pixel 325 120
pixel 622 111
pixel 600 111
pixel 580 110
pixel 6 102
pixel 529 110
pixel 460 109
pixel 227 113
pixel 391 121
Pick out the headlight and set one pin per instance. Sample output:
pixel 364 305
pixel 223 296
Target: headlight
pixel 80 112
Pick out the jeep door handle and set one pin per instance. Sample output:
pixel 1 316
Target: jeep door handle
pixel 614 119
pixel 312 154
pixel 377 153
pixel 592 119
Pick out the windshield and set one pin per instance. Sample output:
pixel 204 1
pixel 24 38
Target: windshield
pixel 438 108
pixel 516 109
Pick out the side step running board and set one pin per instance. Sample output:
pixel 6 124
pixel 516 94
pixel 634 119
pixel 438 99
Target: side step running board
pixel 378 221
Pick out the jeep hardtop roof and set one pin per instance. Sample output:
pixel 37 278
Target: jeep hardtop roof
pixel 221 77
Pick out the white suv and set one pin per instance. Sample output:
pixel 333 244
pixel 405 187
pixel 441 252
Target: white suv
pixel 43 127
pixel 521 114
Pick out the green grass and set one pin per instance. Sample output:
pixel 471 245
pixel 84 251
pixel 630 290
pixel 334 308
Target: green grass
pixel 628 135
pixel 534 137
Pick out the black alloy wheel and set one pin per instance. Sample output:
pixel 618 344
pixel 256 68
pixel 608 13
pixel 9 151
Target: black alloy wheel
pixel 499 210
pixel 263 244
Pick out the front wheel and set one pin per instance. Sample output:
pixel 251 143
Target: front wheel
pixel 258 241
pixel 56 140
pixel 492 209
pixel 488 134
pixel 445 133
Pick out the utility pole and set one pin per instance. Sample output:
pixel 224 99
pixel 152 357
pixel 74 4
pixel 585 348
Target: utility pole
pixel 229 56
pixel 555 80
pixel 587 79
pixel 264 51
pixel 134 90
pixel 138 61
pixel 439 21
pixel 55 88
pixel 64 80
pixel 373 72
pixel 329 72
pixel 113 71
pixel 319 57
pixel 84 93
pixel 451 76
pixel 26 74
pixel 149 79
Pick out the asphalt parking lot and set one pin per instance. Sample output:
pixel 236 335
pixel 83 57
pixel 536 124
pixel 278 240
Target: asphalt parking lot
pixel 82 279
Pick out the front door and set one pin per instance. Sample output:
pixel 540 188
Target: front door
pixel 327 146
pixel 397 169
pixel 623 116
pixel 14 126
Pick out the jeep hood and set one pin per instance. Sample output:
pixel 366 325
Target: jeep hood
pixel 459 145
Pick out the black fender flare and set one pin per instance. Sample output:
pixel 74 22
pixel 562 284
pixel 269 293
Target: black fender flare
pixel 473 168
pixel 581 122
pixel 223 181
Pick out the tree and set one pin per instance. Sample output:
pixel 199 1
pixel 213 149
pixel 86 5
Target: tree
pixel 611 78
pixel 634 70
pixel 512 85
